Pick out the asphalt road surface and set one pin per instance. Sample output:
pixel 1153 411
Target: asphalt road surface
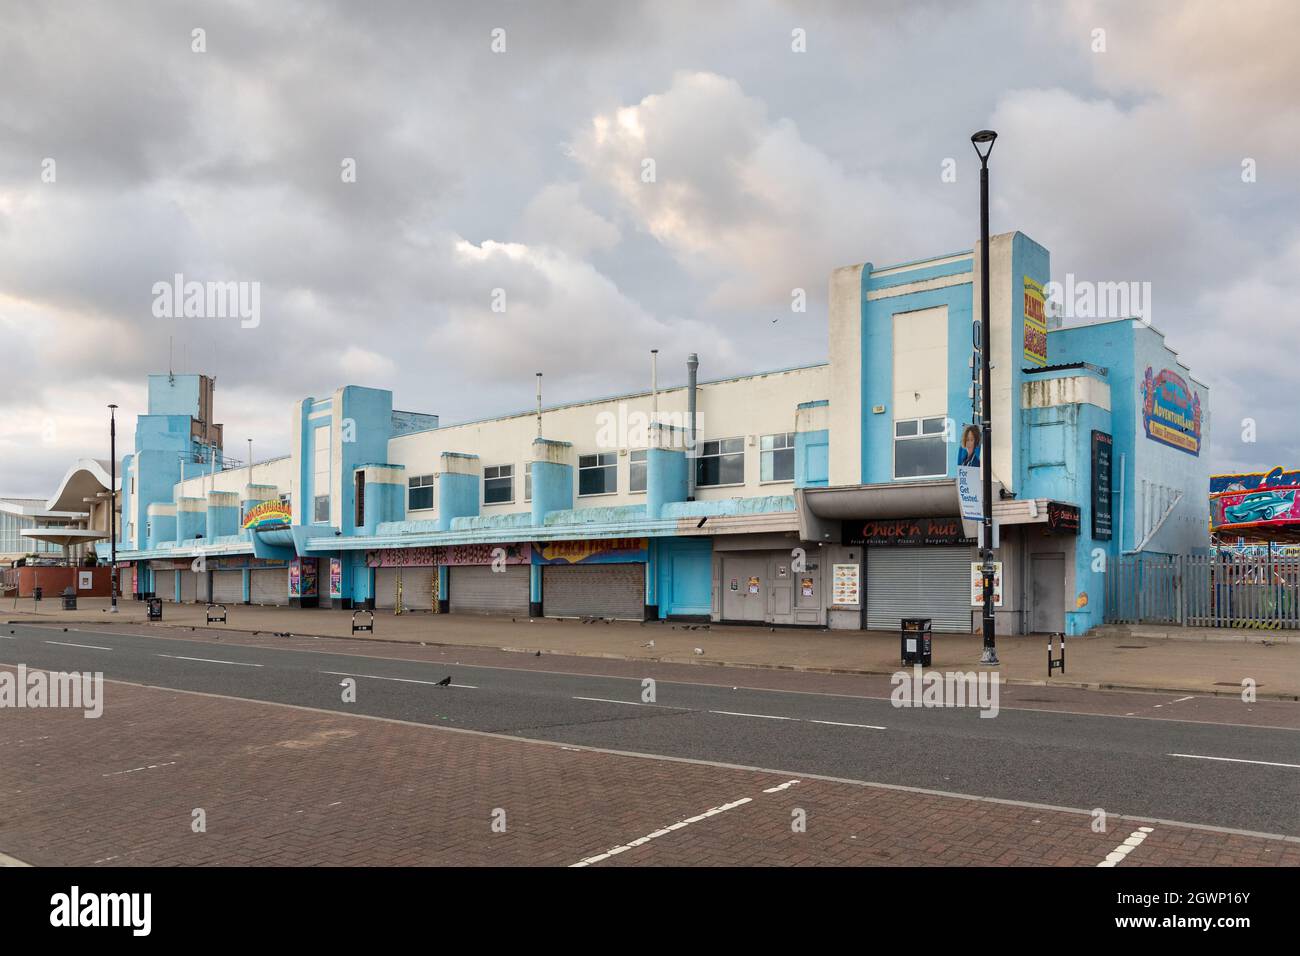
pixel 1216 773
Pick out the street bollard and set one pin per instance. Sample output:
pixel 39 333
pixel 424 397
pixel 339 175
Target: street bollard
pixel 1055 663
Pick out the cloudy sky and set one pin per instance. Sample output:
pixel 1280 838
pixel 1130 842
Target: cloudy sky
pixel 521 170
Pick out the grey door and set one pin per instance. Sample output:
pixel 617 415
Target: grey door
pixel 1047 593
pixel 744 588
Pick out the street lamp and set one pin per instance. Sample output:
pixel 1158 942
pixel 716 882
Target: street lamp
pixel 984 138
pixel 112 505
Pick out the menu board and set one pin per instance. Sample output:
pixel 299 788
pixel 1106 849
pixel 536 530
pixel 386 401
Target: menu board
pixel 845 585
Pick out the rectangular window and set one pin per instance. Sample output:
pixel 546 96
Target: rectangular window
pixel 498 484
pixel 636 470
pixel 598 474
pixel 419 493
pixel 919 449
pixel 528 484
pixel 778 457
pixel 360 516
pixel 721 463
pixel 320 457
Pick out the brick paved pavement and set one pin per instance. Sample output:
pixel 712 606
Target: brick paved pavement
pixel 284 786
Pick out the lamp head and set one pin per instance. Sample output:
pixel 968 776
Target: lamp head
pixel 984 137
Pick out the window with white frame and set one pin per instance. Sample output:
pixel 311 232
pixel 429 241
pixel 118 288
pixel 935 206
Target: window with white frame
pixel 777 463
pixel 528 484
pixel 598 474
pixel 320 487
pixel 720 462
pixel 419 493
pixel 920 450
pixel 636 469
pixel 498 484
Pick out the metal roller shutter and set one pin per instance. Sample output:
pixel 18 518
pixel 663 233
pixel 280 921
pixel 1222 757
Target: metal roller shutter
pixel 165 585
pixel 228 587
pixel 594 590
pixel 189 587
pixel 203 586
pixel 477 589
pixel 919 582
pixel 269 586
pixel 386 588
pixel 417 588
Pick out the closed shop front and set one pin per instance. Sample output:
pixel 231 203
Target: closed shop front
pixel 269 586
pixel 477 589
pixel 769 579
pixel 417 588
pixel 593 590
pixel 921 581
pixel 166 584
pixel 202 586
pixel 189 586
pixel 228 587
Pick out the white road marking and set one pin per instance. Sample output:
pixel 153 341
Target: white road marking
pixel 734 713
pixel 779 787
pixel 634 703
pixel 1262 763
pixel 401 680
pixel 1181 699
pixel 837 723
pixel 92 647
pixel 209 660
pixel 135 770
pixel 623 848
pixel 1134 841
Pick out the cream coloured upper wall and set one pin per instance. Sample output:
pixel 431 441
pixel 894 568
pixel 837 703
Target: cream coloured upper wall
pixel 845 375
pixel 1003 350
pixel 747 407
pixel 277 471
pixel 920 348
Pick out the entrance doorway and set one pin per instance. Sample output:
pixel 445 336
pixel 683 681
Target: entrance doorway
pixel 1047 593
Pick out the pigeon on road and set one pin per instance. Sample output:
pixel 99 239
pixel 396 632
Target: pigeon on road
pixel 445 682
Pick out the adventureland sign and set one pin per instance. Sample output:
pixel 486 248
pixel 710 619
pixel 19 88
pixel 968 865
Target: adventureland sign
pixel 905 531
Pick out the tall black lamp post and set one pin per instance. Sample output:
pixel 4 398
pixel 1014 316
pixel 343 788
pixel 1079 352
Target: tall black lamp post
pixel 983 143
pixel 112 505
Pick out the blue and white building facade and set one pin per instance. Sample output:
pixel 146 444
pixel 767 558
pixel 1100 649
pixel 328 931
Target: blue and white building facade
pixel 823 496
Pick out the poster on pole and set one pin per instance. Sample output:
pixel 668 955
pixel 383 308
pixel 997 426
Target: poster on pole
pixel 977 584
pixel 969 489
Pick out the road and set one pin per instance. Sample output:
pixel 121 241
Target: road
pixel 1220 769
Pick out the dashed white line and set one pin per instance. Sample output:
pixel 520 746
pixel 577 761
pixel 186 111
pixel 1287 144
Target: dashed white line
pixel 633 703
pixel 781 786
pixel 90 647
pixel 623 848
pixel 208 660
pixel 1262 763
pixel 1134 841
pixel 401 680
pixel 1181 699
pixel 837 723
pixel 735 713
pixel 152 766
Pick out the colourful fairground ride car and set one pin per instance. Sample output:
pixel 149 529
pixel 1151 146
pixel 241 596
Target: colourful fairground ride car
pixel 1259 506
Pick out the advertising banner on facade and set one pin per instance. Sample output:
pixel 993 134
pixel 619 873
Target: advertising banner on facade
pixel 268 515
pixel 1272 505
pixel 610 551
pixel 1171 411
pixel 970 491
pixel 452 555
pixel 1102 451
pixel 1035 323
pixel 336 578
pixel 302 578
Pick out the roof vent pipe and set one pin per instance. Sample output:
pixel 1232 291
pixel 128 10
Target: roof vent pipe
pixel 654 398
pixel 692 367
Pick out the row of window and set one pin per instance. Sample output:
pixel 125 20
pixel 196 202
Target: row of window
pixel 718 463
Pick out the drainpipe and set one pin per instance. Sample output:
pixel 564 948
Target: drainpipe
pixel 692 367
pixel 654 398
pixel 539 404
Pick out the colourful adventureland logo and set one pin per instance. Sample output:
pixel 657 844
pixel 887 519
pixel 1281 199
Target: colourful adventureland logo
pixel 268 515
pixel 1171 411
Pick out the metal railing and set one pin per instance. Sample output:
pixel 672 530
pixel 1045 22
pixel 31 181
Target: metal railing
pixel 1204 591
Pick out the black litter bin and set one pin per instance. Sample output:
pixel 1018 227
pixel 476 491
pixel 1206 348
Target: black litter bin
pixel 914 640
pixel 155 609
pixel 69 598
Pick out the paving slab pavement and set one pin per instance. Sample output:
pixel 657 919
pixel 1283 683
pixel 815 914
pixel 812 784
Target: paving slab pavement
pixel 1104 663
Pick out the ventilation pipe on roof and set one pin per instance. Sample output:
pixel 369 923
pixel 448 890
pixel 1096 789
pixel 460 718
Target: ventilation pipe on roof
pixel 692 367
